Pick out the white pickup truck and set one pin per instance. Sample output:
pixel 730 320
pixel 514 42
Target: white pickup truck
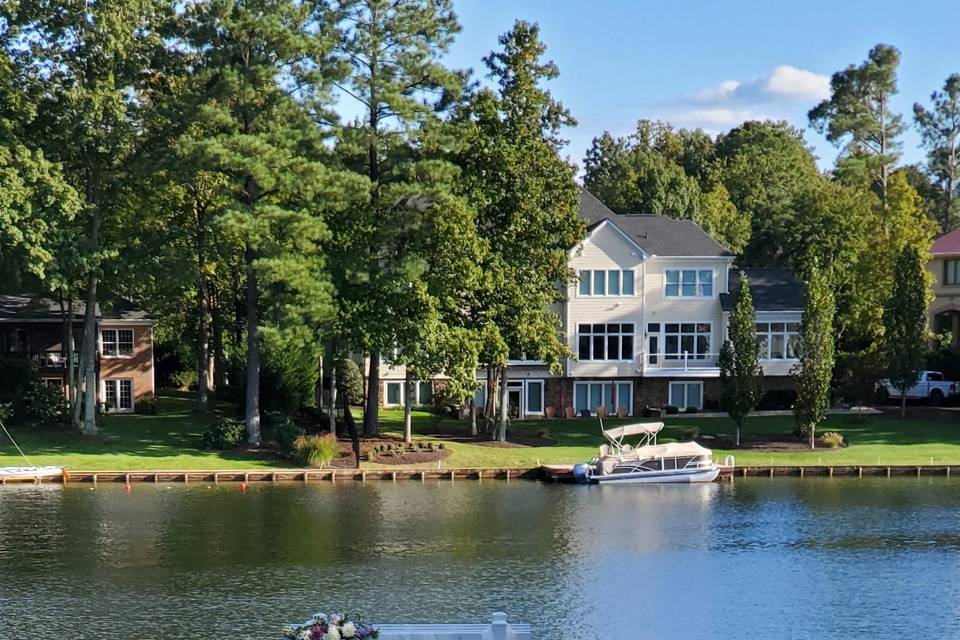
pixel 930 386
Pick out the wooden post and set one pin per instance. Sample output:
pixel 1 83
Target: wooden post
pixel 156 478
pixel 126 478
pixel 246 477
pixel 771 472
pixel 333 475
pixel 918 471
pixel 948 471
pixel 452 474
pixel 508 475
pixel 830 471
pixel 306 476
pixel 888 472
pixel 94 478
pixel 186 477
pixel 393 476
pixel 363 477
pixel 423 476
pixel 801 472
pixel 216 478
pixel 859 472
pixel 273 476
pixel 480 474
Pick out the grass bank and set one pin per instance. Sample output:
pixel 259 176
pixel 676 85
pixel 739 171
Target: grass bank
pixel 171 440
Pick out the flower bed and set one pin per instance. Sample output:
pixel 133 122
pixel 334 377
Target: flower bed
pixel 336 626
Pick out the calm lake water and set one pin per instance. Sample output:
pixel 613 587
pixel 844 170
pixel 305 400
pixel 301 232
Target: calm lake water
pixel 761 558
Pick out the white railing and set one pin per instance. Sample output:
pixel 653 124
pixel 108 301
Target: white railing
pixel 497 629
pixel 683 361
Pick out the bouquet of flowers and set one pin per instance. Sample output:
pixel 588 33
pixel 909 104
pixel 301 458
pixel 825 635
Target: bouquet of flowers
pixel 336 626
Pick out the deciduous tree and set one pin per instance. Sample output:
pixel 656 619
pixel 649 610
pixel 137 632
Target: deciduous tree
pixel 905 323
pixel 815 370
pixel 740 372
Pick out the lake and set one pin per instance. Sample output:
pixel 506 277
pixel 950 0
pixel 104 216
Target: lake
pixel 758 558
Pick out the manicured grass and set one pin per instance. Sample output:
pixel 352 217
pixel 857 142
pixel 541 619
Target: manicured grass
pixel 171 440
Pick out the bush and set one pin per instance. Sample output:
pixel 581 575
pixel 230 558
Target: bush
pixel 284 431
pixel 315 451
pixel 831 439
pixel 690 434
pixel 147 406
pixel 349 381
pixel 778 400
pixel 41 404
pixel 6 412
pixel 15 375
pixel 671 410
pixel 691 410
pixel 225 433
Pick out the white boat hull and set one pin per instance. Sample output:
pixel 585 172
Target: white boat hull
pixel 708 474
pixel 30 473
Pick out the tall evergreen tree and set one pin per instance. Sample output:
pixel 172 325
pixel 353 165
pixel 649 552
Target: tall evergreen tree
pixel 84 65
pixel 527 205
pixel 740 372
pixel 262 72
pixel 815 370
pixel 395 76
pixel 940 130
pixel 905 323
pixel 858 115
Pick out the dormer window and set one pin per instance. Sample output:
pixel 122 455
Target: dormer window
pixel 688 283
pixel 606 282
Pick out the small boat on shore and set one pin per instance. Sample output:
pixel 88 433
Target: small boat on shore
pixel 620 463
pixel 30 474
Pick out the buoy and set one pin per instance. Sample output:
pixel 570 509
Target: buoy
pixel 127 487
pixel 243 487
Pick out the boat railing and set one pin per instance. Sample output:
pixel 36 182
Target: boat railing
pixel 729 461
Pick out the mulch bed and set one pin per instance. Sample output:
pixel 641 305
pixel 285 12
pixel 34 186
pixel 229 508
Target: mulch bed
pixel 762 443
pixel 345 458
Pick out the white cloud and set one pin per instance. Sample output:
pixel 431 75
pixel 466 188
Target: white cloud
pixel 784 83
pixel 714 120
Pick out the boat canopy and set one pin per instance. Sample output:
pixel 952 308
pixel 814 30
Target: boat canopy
pixel 673 450
pixel 616 435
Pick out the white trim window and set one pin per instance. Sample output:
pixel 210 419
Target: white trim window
pixel 118 394
pixel 532 397
pixel 394 395
pixel 686 339
pixel 779 340
pixel 609 283
pixel 688 283
pixel 951 272
pixel 610 394
pixel 116 342
pixel 610 342
pixel 686 394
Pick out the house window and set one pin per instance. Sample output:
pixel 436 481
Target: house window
pixel 779 340
pixel 686 394
pixel 611 395
pixel 951 272
pixel 117 342
pixel 118 395
pixel 424 393
pixel 610 341
pixel 394 394
pixel 534 400
pixel 688 283
pixel 606 282
pixel 686 339
pixel 53 382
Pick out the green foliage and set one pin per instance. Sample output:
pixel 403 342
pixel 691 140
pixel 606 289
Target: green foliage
pixel 904 320
pixel 740 372
pixel 147 406
pixel 41 405
pixel 350 381
pixel 832 439
pixel 224 433
pixel 15 375
pixel 284 431
pixel 6 412
pixel 857 115
pixel 316 450
pixel 814 372
pixel 940 130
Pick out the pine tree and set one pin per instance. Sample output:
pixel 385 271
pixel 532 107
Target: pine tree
pixel 940 129
pixel 527 206
pixel 740 372
pixel 815 370
pixel 905 324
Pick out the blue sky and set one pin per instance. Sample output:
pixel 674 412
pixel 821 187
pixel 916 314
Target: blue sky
pixel 713 64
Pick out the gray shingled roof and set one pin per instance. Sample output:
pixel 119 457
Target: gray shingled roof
pixel 30 306
pixel 771 289
pixel 655 234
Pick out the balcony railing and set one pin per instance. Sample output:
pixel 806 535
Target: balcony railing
pixel 48 359
pixel 683 361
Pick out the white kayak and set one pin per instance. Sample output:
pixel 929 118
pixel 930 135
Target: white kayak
pixel 30 473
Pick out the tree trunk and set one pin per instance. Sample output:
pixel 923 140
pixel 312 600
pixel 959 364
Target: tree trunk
pixel 351 428
pixel 473 417
pixel 333 398
pixel 219 364
pixel 90 382
pixel 738 434
pixel 903 403
pixel 408 408
pixel 71 371
pixel 504 406
pixel 252 404
pixel 813 437
pixel 489 401
pixel 203 346
pixel 371 412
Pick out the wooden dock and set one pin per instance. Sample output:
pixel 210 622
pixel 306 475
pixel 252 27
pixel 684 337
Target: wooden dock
pixel 550 473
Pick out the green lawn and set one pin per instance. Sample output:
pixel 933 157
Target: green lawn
pixel 171 441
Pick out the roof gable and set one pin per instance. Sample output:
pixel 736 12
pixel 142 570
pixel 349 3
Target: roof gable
pixel 654 234
pixel 947 244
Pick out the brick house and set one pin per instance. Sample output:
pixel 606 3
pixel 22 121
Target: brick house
pixel 944 265
pixel 34 327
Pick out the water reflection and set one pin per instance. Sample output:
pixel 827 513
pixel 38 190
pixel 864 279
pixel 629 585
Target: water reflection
pixel 754 559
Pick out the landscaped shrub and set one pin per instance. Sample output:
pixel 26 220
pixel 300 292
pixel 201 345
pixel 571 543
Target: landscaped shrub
pixel 691 410
pixel 40 404
pixel 350 381
pixel 671 410
pixel 283 430
pixel 147 406
pixel 778 400
pixel 831 439
pixel 225 433
pixel 6 412
pixel 315 451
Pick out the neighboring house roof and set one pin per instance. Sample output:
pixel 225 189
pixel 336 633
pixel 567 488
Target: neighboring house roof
pixel 30 306
pixel 657 235
pixel 771 289
pixel 947 244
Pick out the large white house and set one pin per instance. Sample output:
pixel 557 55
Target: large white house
pixel 645 321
